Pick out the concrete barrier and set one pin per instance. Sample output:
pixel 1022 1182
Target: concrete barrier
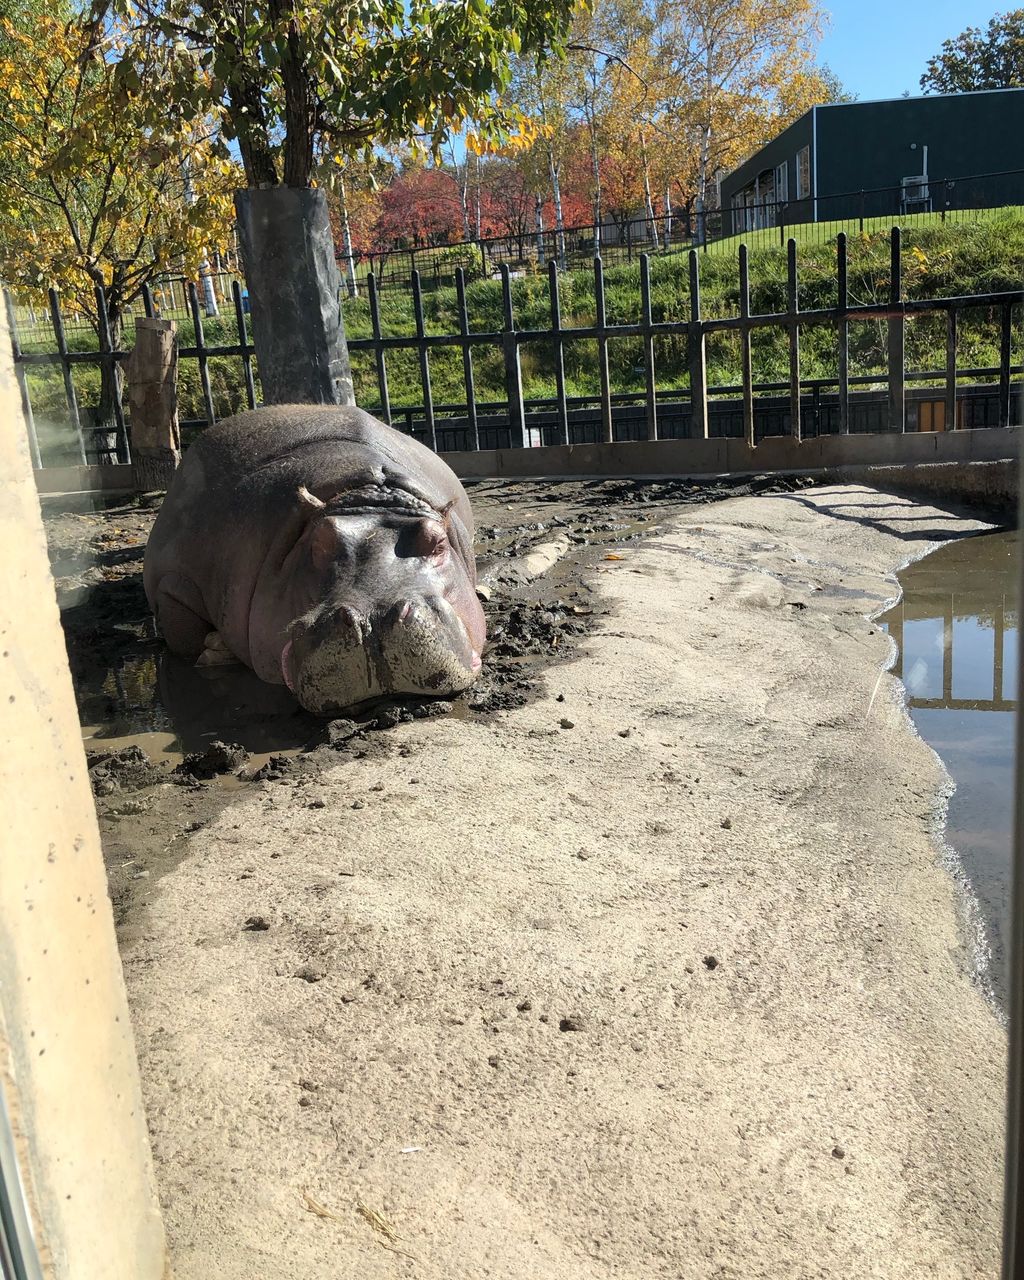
pixel 728 456
pixel 74 1152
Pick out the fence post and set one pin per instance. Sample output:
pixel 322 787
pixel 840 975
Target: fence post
pixel 467 357
pixel 843 301
pixel 951 405
pixel 607 424
pixel 65 364
pixel 793 310
pixel 204 371
pixel 897 390
pixel 697 361
pixel 1005 348
pixel 424 356
pixel 513 372
pixel 745 364
pixel 243 342
pixel 862 212
pixel 153 396
pixel 122 449
pixel 556 326
pixel 378 349
pixel 647 320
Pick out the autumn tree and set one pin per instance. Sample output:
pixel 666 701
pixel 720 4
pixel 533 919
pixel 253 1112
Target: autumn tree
pixel 977 59
pixel 95 194
pixel 297 83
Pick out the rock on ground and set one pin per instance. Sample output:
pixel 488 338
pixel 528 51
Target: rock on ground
pixel 678 991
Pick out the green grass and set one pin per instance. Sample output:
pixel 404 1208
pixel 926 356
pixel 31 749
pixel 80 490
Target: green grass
pixel 986 255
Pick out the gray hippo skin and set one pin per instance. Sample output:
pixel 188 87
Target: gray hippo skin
pixel 324 550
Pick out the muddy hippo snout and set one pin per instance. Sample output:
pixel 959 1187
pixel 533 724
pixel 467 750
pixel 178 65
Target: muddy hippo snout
pixel 343 657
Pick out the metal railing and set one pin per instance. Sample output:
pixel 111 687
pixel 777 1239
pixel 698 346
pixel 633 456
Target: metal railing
pixel 893 400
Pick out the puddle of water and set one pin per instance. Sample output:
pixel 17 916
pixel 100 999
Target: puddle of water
pixel 169 708
pixel 957 632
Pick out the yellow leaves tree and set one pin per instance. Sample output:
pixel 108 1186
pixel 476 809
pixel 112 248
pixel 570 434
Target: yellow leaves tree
pixel 92 194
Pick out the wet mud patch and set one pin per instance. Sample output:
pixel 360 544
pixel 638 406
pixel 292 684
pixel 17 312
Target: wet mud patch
pixel 170 745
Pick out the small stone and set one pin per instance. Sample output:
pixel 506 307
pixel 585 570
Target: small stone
pixel 524 1006
pixel 565 723
pixel 358 804
pixel 256 924
pixel 711 962
pixel 305 1100
pixel 483 591
pixel 560 698
pixel 317 804
pixel 141 875
pixel 377 786
pixel 727 824
pixel 570 1024
pixel 308 1085
pixel 388 718
pixel 583 854
pixel 492 1061
pixel 625 733
pixel 838 1153
pixel 308 974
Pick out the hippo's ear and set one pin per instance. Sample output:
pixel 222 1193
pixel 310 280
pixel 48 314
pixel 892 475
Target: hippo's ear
pixel 309 501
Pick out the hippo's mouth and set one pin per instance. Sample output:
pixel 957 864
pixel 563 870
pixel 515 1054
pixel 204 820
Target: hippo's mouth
pixel 415 649
pixel 375 499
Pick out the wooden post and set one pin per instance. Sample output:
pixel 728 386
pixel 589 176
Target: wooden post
pixel 153 398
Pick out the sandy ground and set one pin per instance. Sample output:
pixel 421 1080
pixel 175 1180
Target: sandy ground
pixel 657 976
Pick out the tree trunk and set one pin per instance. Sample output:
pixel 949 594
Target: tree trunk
pixel 538 215
pixel 596 167
pixel 556 196
pixel 346 235
pixel 477 212
pixel 652 226
pixel 668 219
pixel 294 293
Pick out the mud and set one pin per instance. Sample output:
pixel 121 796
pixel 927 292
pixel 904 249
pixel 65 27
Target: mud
pixel 169 745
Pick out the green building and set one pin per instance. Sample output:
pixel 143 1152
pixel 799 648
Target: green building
pixel 880 159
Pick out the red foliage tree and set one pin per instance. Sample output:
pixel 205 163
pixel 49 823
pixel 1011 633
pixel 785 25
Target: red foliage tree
pixel 420 208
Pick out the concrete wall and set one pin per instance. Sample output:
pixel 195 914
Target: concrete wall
pixel 735 457
pixel 72 1117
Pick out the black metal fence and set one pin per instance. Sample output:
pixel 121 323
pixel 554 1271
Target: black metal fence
pixel 897 400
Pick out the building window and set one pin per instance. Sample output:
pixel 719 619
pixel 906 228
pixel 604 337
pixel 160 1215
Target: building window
pixel 782 182
pixel 803 173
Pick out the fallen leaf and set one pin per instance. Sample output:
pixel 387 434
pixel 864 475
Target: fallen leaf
pixel 613 556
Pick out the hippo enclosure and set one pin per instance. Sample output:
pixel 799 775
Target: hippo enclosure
pixel 638 958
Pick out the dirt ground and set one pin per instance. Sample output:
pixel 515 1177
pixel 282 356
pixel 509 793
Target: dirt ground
pixel 647 966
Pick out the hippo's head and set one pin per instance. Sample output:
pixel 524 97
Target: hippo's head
pixel 386 588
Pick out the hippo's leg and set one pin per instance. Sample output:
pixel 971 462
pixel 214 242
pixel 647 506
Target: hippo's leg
pixel 215 652
pixel 180 616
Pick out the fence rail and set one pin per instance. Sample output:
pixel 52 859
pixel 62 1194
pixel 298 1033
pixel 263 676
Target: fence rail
pixel 892 401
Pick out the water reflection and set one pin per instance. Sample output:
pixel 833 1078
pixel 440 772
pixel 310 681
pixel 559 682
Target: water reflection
pixel 957 632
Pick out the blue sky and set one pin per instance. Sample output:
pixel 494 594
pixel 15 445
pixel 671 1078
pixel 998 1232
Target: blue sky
pixel 879 48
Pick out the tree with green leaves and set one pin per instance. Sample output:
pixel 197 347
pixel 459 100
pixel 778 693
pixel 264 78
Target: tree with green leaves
pixel 301 84
pixel 977 59
pixel 94 194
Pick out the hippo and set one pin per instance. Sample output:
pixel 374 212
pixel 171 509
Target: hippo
pixel 323 549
